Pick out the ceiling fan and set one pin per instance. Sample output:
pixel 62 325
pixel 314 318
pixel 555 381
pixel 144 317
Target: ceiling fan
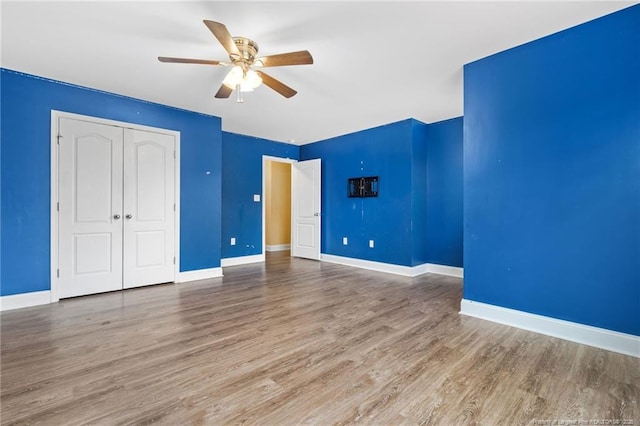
pixel 243 52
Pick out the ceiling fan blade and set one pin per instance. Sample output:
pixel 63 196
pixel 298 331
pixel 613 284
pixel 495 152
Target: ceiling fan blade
pixel 224 92
pixel 224 37
pixel 189 61
pixel 276 85
pixel 303 57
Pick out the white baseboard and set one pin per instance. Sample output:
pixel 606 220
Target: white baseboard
pixel 623 343
pixel 25 300
pixel 452 271
pixel 406 271
pixel 419 269
pixel 278 247
pixel 241 260
pixel 199 274
pixel 390 268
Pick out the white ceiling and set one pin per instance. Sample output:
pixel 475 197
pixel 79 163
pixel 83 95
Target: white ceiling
pixel 375 62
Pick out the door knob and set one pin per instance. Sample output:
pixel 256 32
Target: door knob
pixel 116 216
pixel 129 216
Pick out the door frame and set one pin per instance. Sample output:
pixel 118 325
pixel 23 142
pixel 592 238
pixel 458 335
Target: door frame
pixel 55 116
pixel 266 158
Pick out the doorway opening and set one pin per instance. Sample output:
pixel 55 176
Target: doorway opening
pixel 305 210
pixel 276 208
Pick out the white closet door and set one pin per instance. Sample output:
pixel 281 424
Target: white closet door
pixel 90 208
pixel 149 197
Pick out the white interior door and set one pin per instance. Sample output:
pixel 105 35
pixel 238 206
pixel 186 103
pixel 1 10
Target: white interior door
pixel 90 208
pixel 149 208
pixel 305 206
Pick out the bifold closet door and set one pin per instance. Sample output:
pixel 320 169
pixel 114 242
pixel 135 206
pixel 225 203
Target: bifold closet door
pixel 149 208
pixel 116 219
pixel 90 208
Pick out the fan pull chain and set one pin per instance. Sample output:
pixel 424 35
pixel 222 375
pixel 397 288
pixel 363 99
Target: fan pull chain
pixel 239 92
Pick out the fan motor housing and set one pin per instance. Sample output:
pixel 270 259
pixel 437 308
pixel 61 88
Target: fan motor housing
pixel 248 49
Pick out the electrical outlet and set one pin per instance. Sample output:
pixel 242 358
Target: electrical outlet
pixel 345 241
pixel 233 241
pixel 256 198
pixel 370 243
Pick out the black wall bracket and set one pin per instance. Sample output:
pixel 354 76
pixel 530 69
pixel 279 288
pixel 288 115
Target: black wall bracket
pixel 363 187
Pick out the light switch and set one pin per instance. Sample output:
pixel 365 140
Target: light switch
pixel 256 198
pixel 233 241
pixel 345 241
pixel 370 243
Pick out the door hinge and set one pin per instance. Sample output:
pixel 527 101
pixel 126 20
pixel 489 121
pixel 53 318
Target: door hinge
pixel 174 207
pixel 59 137
pixel 58 273
pixel 58 206
pixel 174 154
pixel 174 260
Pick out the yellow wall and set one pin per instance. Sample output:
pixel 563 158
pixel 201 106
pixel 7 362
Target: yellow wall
pixel 278 203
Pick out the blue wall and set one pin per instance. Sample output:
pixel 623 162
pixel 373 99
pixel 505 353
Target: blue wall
pixel 552 175
pixel 417 217
pixel 419 194
pixel 241 178
pixel 384 151
pixel 27 102
pixel 444 192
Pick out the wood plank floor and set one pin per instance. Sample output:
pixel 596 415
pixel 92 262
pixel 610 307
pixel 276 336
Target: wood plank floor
pixel 294 341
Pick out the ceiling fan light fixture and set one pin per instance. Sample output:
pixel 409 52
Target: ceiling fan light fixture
pixel 238 78
pixel 234 77
pixel 251 81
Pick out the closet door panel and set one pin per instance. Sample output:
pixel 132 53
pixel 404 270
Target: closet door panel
pixel 90 208
pixel 149 197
